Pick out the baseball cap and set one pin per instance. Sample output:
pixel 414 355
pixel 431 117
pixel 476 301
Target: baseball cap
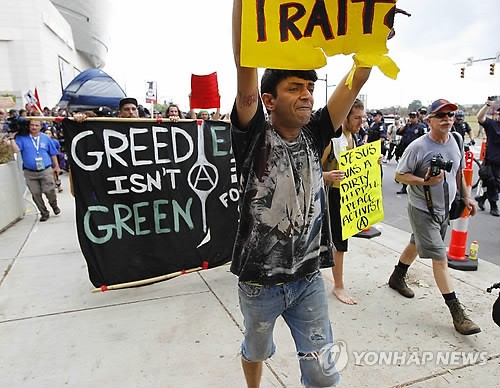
pixel 422 110
pixel 127 100
pixel 440 104
pixel 104 111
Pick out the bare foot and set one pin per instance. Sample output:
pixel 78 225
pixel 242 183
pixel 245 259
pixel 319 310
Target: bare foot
pixel 343 296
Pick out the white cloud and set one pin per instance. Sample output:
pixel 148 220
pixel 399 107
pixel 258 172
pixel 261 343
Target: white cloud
pixel 167 41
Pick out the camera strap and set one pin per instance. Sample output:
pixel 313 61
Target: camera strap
pixel 427 191
pixel 428 200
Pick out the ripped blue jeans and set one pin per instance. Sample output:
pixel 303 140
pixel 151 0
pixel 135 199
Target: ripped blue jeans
pixel 302 304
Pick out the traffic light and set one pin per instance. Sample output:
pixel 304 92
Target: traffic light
pixel 462 72
pixel 492 69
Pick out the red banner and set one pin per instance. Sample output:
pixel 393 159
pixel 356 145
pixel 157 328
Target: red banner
pixel 205 91
pixel 37 99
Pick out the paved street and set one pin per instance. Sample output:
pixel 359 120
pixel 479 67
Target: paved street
pixel 483 227
pixel 185 332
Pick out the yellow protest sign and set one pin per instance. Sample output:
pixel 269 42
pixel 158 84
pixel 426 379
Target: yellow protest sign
pixel 361 190
pixel 297 35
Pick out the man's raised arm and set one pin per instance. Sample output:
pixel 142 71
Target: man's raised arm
pixel 247 81
pixel 342 98
pixel 481 115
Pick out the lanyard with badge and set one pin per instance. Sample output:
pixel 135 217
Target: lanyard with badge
pixel 40 165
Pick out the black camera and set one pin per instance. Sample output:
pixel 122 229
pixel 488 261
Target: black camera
pixel 438 164
pixel 18 125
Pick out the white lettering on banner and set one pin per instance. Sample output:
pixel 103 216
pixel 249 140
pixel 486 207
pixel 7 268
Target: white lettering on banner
pixel 134 146
pixel 129 220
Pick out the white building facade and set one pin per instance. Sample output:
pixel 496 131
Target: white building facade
pixel 45 44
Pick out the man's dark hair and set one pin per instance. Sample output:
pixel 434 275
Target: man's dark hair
pixel 272 77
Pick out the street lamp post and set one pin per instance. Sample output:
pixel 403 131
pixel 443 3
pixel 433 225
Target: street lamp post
pixel 326 87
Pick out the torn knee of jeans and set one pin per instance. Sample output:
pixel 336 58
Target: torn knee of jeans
pixel 317 337
pixel 307 356
pixel 263 327
pixel 312 355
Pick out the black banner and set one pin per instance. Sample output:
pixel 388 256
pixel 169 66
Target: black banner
pixel 152 198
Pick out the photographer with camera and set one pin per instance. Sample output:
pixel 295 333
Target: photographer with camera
pixel 435 161
pixel 39 154
pixel 490 169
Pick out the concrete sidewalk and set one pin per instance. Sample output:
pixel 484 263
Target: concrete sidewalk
pixel 186 332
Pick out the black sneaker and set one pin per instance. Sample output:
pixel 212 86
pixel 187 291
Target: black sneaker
pixel 494 212
pixel 44 218
pixel 56 210
pixel 481 199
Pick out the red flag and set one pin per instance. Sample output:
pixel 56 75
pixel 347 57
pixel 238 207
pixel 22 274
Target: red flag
pixel 37 99
pixel 205 91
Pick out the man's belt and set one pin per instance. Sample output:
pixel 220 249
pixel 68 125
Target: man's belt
pixel 29 169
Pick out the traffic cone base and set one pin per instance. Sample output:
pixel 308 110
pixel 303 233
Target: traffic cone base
pixel 463 265
pixel 368 233
pixel 457 258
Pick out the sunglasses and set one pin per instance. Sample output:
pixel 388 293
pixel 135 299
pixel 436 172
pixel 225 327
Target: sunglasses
pixel 440 115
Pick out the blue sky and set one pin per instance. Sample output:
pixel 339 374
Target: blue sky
pixel 176 39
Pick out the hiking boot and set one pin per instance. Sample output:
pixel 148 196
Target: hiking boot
pixel 56 210
pixel 403 190
pixel 44 217
pixel 397 282
pixel 461 321
pixel 481 199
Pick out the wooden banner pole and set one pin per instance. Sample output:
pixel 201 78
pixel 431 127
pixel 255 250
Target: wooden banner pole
pixel 144 282
pixel 115 119
pixel 108 119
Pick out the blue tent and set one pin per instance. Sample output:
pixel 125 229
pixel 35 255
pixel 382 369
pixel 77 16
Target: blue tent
pixel 91 89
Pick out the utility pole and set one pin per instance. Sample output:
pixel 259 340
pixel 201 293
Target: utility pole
pixel 470 61
pixel 326 87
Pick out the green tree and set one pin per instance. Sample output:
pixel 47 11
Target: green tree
pixel 6 154
pixel 414 105
pixel 160 108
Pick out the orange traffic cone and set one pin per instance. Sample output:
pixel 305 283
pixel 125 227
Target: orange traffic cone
pixel 457 259
pixel 482 153
pixel 369 232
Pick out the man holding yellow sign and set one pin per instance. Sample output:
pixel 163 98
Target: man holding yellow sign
pixel 279 246
pixel 333 177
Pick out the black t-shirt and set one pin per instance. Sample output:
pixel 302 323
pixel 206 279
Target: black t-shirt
pixel 492 129
pixel 280 236
pixel 411 132
pixel 462 128
pixel 377 131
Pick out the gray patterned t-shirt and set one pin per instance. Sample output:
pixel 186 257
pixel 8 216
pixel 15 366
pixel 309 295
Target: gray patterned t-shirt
pixel 282 199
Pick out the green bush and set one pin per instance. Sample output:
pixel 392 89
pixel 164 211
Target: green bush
pixel 6 154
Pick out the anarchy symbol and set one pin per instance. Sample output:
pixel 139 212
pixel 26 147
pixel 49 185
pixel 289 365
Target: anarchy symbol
pixel 362 223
